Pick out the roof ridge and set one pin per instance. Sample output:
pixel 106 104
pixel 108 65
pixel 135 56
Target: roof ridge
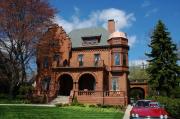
pixel 87 28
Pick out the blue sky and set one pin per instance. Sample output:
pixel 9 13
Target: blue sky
pixel 135 17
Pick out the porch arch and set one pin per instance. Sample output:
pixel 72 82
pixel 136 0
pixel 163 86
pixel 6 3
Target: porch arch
pixel 87 81
pixel 65 84
pixel 137 93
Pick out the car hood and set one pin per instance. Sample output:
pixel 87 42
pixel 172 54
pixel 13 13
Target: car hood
pixel 152 112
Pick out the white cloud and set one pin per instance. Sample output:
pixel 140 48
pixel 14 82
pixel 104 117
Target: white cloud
pixel 120 17
pixel 131 40
pixel 76 9
pixel 150 12
pixel 145 4
pixel 97 18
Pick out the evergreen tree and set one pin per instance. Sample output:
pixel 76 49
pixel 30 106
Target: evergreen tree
pixel 163 68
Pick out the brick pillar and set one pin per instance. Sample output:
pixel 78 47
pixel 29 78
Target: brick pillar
pixel 75 86
pixel 111 26
pixel 99 81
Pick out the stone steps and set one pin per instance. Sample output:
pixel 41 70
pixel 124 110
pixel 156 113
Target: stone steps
pixel 60 99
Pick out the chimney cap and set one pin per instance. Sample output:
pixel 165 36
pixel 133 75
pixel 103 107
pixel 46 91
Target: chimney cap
pixel 111 20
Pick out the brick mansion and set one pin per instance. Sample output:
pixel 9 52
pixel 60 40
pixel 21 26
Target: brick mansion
pixel 90 64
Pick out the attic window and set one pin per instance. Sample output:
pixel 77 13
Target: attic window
pixel 91 40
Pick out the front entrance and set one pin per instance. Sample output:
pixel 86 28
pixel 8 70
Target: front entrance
pixel 65 84
pixel 87 82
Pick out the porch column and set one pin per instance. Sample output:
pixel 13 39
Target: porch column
pixel 75 86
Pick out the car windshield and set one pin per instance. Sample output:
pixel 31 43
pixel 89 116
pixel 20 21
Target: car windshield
pixel 154 104
pixel 142 103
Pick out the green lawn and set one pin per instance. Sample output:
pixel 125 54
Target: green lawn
pixel 69 112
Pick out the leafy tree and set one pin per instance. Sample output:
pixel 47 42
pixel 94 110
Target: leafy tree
pixel 163 68
pixel 22 22
pixel 138 73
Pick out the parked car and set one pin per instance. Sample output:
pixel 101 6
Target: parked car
pixel 148 109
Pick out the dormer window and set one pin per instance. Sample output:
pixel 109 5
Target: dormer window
pixel 91 40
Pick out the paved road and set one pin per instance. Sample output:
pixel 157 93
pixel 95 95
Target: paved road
pixel 127 112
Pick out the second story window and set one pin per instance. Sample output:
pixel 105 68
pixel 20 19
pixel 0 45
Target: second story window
pixel 117 58
pixel 45 62
pixel 80 59
pixel 96 59
pixel 56 57
pixel 124 60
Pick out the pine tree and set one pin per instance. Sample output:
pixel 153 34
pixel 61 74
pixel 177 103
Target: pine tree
pixel 163 67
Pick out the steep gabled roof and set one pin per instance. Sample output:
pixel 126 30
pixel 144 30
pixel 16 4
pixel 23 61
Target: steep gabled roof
pixel 77 34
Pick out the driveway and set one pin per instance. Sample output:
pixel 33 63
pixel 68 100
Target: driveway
pixel 127 112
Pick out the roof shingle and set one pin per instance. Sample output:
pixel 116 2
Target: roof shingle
pixel 77 34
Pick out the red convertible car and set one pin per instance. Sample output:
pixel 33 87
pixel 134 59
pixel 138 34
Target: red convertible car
pixel 148 109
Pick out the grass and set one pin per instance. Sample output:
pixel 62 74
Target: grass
pixel 69 112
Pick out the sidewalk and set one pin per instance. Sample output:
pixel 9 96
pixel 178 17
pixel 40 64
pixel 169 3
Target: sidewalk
pixel 127 112
pixel 41 105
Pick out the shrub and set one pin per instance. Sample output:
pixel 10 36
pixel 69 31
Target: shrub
pixel 37 99
pixel 75 101
pixel 3 96
pixel 20 97
pixel 64 105
pixel 59 105
pixel 81 105
pixel 92 105
pixel 99 105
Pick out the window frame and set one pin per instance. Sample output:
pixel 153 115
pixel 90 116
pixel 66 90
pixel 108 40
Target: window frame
pixel 80 59
pixel 46 62
pixel 124 59
pixel 115 80
pixel 116 58
pixel 97 59
pixel 46 83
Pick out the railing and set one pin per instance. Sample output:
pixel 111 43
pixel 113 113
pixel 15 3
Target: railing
pixel 89 93
pixel 114 93
pixel 78 64
pixel 101 93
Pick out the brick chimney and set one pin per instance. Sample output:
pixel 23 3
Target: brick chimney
pixel 111 26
